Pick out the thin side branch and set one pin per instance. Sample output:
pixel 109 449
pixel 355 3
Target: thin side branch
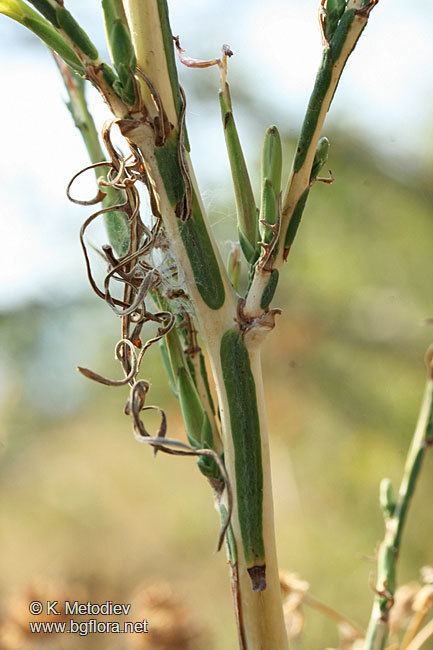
pixel 395 515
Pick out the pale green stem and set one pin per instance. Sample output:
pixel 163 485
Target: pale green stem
pixel 335 56
pixel 58 29
pixel 377 632
pixel 260 612
pixel 116 221
pixel 261 625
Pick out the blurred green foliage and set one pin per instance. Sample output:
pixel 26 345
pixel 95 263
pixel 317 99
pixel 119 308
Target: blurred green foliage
pixel 344 374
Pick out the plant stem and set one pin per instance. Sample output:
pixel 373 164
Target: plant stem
pixel 79 110
pixel 335 55
pixel 144 95
pixel 395 518
pixel 116 221
pixel 259 613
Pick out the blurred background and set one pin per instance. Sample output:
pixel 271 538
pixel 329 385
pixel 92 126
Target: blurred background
pixel 88 512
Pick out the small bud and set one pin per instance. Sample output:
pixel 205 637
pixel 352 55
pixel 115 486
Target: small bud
pixel 387 498
pixel 271 185
pixel 320 158
pixel 272 158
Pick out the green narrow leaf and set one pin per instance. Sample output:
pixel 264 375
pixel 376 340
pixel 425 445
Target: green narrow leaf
pixel 247 213
pixel 272 158
pixel 23 14
pixel 321 86
pixel 121 49
pixel 16 9
pixel 268 210
pixel 334 10
pixel 205 379
pixel 197 424
pixel 202 257
pixel 320 159
pixel 109 74
pixel 113 10
pixel 193 230
pixel 76 33
pixel 245 426
pixel 167 158
pixel 54 41
pixel 270 289
pixel 271 183
pixel 192 409
pixel 47 10
pixel 124 86
pixel 296 220
pixel 206 464
pixel 170 57
pixel 339 37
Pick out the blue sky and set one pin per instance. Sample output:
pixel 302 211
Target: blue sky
pixel 386 94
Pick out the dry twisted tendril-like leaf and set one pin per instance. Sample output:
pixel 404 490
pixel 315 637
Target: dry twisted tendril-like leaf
pixel 136 271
